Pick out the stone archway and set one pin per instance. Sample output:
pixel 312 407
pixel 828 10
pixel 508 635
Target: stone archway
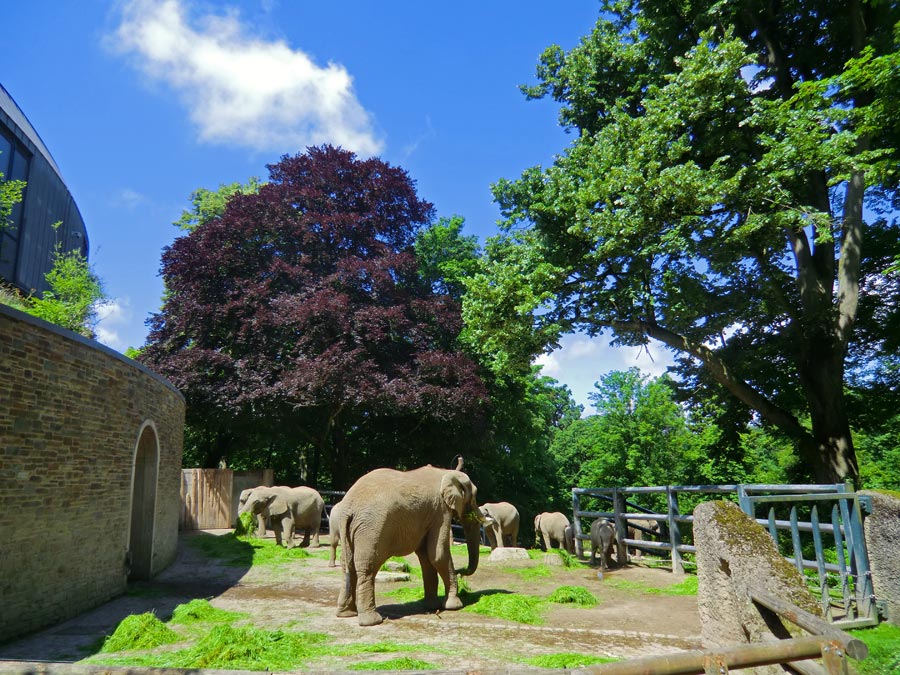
pixel 143 503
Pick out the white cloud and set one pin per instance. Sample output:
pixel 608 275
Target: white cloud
pixel 129 199
pixel 112 315
pixel 580 361
pixel 242 89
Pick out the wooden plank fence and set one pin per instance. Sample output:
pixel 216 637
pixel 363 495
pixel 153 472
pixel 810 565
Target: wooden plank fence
pixel 209 497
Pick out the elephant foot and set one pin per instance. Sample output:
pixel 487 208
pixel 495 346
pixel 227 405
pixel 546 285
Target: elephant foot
pixel 453 602
pixel 370 619
pixel 344 613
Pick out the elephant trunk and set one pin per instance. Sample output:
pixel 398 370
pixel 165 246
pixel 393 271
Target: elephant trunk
pixel 472 529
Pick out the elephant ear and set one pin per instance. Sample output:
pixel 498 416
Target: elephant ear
pixel 276 503
pixel 455 490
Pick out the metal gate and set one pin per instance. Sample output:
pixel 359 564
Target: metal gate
pixel 820 530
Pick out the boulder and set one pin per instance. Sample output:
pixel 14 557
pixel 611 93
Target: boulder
pixel 507 553
pixel 882 532
pixel 735 554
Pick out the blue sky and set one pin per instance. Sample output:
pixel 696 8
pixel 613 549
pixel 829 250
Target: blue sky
pixel 141 102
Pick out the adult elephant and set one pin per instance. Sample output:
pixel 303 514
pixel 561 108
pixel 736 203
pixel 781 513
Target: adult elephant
pixel 504 531
pixel 551 527
pixel 334 531
pixel 393 513
pixel 290 510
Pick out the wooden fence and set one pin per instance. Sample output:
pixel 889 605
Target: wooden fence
pixel 209 497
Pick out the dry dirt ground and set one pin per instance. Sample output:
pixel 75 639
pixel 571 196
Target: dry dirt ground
pixel 302 595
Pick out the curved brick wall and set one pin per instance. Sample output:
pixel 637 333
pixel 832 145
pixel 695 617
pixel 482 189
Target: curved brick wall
pixel 82 430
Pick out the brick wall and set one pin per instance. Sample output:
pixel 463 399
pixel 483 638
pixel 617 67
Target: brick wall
pixel 72 413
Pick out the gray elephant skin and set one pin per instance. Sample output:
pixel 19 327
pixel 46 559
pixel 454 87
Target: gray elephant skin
pixel 262 518
pixel 290 510
pixel 603 538
pixel 334 532
pixel 551 527
pixel 394 513
pixel 634 532
pixel 504 531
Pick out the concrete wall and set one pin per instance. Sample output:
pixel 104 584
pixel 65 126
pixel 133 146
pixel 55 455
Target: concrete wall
pixel 882 531
pixel 90 472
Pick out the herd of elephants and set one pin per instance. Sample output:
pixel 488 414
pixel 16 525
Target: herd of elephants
pixel 396 513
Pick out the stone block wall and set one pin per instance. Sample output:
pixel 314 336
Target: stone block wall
pixel 75 418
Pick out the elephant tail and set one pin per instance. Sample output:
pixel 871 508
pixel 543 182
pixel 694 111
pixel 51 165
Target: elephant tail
pixel 344 524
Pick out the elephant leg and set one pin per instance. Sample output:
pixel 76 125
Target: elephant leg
pixel 347 596
pixel 331 560
pixel 276 528
pixel 315 535
pixel 260 525
pixel 439 551
pixel 498 535
pixel 491 537
pixel 429 579
pixel 305 541
pixel 287 526
pixel 546 541
pixel 365 594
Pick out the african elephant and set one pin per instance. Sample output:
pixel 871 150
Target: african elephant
pixel 261 518
pixel 290 510
pixel 550 527
pixel 638 534
pixel 334 531
pixel 394 513
pixel 505 529
pixel 603 538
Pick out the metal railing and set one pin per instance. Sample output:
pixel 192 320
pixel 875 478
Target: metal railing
pixel 850 568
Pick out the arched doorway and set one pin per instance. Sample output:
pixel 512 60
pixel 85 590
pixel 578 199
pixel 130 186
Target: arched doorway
pixel 143 503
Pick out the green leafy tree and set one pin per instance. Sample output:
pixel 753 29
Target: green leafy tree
pixel 10 195
pixel 732 164
pixel 447 257
pixel 209 204
pixel 74 296
pixel 639 436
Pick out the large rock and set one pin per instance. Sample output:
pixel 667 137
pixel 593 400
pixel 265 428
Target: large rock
pixel 735 554
pixel 882 530
pixel 508 553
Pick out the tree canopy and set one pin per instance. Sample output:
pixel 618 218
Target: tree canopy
pixel 730 193
pixel 299 313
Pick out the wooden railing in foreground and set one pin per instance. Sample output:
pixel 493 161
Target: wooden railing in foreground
pixel 830 644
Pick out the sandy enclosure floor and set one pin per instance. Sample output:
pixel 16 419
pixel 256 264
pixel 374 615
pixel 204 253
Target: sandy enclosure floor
pixel 302 595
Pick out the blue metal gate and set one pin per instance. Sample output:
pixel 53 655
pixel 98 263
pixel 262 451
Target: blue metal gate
pixel 822 530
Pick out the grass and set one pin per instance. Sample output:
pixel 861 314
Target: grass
pixel 566 660
pixel 526 609
pixel 139 631
pixel 244 552
pixel 883 642
pixel 686 587
pixel 574 595
pixel 539 571
pixel 402 663
pixel 200 611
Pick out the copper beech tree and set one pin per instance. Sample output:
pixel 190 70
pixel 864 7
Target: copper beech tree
pixel 299 314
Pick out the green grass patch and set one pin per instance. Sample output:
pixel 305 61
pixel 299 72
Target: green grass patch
pixel 686 587
pixel 228 647
pixel 540 571
pixel 402 663
pixel 246 525
pixel 406 594
pixel 516 607
pixel 883 642
pixel 565 660
pixel 573 595
pixel 139 631
pixel 377 648
pixel 244 552
pixel 200 611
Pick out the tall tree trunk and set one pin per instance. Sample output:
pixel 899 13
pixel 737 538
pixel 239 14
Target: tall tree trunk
pixel 822 377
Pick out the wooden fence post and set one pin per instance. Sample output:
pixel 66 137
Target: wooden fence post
pixel 674 530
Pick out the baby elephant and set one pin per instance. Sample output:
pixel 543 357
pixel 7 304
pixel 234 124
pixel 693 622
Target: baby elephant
pixel 603 537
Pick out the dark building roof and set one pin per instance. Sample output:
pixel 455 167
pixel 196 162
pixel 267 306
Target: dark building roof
pixel 47 215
